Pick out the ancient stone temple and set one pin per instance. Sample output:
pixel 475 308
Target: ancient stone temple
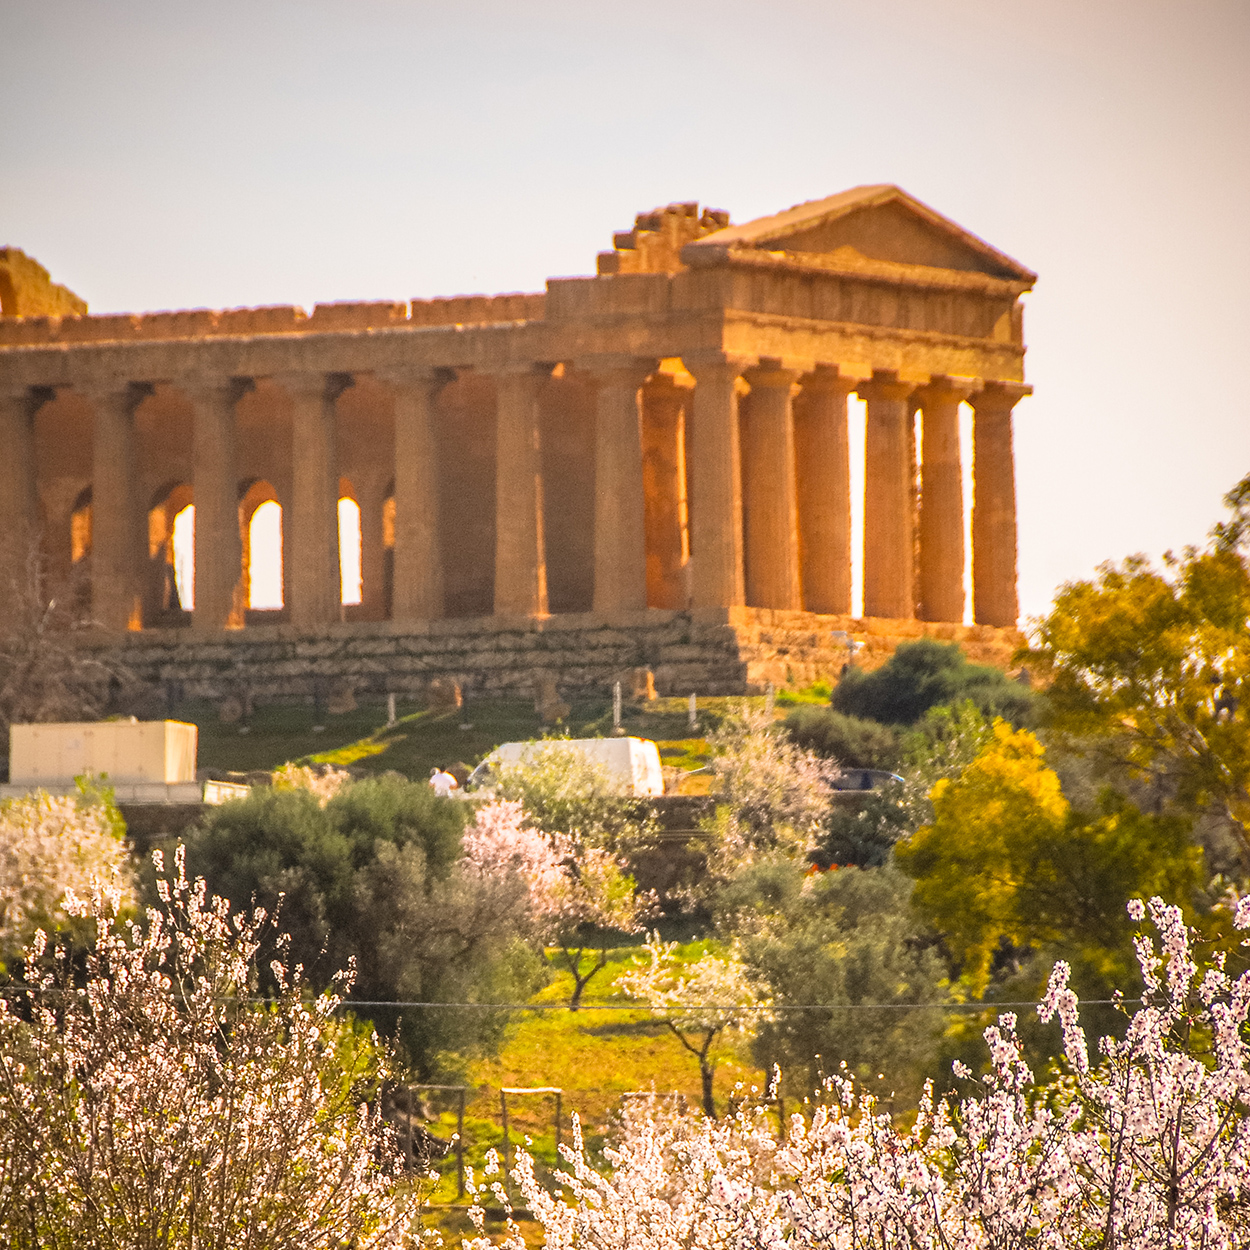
pixel 645 467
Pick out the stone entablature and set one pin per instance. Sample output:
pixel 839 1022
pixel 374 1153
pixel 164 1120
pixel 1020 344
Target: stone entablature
pixel 670 434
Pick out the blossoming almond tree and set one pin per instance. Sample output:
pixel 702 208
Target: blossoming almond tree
pixel 50 844
pixel 576 889
pixel 151 1105
pixel 1146 1147
pixel 700 1001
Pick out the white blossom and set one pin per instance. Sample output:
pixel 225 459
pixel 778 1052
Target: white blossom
pixel 150 1103
pixel 1146 1149
pixel 51 845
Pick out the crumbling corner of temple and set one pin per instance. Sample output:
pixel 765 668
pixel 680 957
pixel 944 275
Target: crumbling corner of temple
pixel 654 244
pixel 27 289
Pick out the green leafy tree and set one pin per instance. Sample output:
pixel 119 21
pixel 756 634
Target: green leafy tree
pixel 860 830
pixel 566 792
pixel 1008 867
pixel 924 674
pixel 1150 670
pixel 376 876
pixel 845 939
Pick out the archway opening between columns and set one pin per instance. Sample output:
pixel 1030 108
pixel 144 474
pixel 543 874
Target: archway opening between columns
pixel 171 556
pixel 388 552
pixel 351 582
pixel 260 526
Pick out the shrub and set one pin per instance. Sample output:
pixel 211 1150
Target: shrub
pixel 863 834
pixel 847 740
pixel 377 876
pixel 563 791
pixel 842 939
pixel 925 674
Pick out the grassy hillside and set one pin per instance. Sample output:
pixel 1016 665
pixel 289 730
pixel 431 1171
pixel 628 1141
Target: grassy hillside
pixel 424 737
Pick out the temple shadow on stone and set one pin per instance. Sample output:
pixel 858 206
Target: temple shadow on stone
pixel 647 467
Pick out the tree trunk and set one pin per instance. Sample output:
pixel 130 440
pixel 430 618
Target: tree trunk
pixel 574 965
pixel 707 1071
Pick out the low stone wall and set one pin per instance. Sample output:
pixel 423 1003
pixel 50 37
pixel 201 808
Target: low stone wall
pixel 718 652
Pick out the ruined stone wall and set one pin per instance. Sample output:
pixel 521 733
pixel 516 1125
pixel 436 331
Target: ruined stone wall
pixel 711 653
pixel 57 315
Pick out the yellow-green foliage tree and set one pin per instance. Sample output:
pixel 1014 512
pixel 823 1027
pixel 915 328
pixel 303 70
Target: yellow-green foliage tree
pixel 1152 669
pixel 1009 866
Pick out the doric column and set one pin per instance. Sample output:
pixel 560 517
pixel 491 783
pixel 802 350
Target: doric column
pixel 716 482
pixel 620 525
pixel 118 519
pixel 520 547
pixel 19 506
pixel 941 561
pixel 219 584
pixel 889 539
pixel 667 515
pixel 418 567
pixel 769 493
pixel 822 459
pixel 994 600
pixel 315 580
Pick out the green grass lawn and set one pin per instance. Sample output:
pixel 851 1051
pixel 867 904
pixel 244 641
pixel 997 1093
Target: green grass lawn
pixel 595 1055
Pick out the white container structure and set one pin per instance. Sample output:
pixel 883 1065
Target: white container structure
pixel 143 761
pixel 634 762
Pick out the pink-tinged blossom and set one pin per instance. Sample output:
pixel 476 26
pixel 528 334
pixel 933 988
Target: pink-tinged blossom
pixel 571 883
pixel 500 841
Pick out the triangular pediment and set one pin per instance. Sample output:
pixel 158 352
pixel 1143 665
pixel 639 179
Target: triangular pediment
pixel 876 223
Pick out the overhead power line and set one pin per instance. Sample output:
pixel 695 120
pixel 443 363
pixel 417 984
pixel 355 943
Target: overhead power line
pixel 21 991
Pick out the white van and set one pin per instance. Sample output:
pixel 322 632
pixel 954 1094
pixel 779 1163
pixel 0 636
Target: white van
pixel 634 761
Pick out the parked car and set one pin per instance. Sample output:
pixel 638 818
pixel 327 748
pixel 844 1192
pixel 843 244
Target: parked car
pixel 863 779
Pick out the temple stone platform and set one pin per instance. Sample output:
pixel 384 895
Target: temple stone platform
pixel 716 651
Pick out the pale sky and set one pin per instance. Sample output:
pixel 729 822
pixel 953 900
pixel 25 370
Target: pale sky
pixel 168 155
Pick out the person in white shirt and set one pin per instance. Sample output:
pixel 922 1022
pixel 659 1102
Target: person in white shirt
pixel 443 783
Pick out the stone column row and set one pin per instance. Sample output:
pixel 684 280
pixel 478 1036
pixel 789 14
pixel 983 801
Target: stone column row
pixel 730 506
pixel 119 515
pixel 893 550
pixel 312 580
pixel 771 521
pixel 19 504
